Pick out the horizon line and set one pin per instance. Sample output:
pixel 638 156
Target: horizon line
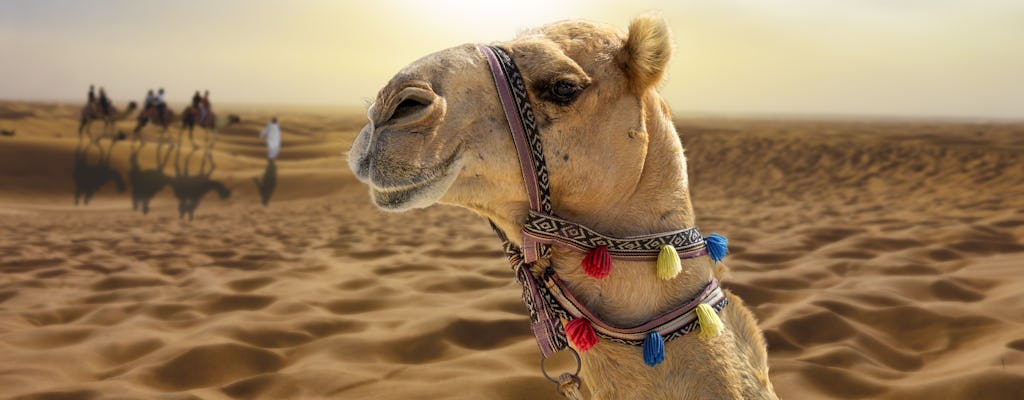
pixel 677 113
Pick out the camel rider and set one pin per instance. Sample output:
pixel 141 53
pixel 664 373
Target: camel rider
pixel 92 99
pixel 204 108
pixel 196 114
pixel 161 106
pixel 104 102
pixel 150 100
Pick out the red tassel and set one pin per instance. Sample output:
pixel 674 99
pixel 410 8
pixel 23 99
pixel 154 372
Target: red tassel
pixel 581 334
pixel 597 263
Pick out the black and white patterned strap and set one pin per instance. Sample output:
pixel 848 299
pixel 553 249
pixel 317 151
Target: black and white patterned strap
pixel 515 101
pixel 548 229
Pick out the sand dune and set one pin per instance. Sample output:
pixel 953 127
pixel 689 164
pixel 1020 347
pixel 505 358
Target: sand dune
pixel 881 258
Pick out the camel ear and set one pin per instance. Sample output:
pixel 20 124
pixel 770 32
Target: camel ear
pixel 648 49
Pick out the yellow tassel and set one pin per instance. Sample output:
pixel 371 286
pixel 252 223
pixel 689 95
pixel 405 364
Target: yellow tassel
pixel 710 324
pixel 668 263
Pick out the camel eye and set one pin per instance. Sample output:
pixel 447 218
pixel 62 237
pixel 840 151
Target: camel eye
pixel 564 92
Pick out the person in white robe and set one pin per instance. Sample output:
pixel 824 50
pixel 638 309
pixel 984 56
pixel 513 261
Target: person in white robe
pixel 272 135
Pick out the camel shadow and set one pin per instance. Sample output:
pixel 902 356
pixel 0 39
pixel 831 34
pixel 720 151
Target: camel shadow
pixel 267 185
pixel 189 188
pixel 88 177
pixel 147 183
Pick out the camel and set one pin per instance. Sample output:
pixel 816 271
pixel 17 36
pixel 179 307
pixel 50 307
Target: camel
pixel 147 183
pixel 210 124
pixel 90 178
pixel 437 133
pixel 154 115
pixel 92 112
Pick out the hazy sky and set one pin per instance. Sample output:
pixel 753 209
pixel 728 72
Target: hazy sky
pixel 951 58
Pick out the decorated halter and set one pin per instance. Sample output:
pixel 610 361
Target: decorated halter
pixel 556 316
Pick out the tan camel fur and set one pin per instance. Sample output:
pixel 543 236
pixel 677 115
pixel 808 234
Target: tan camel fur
pixel 437 133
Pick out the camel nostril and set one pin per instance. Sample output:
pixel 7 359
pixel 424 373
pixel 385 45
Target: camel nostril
pixel 411 103
pixel 408 107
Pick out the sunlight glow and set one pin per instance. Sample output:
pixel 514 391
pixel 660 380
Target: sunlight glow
pixel 912 57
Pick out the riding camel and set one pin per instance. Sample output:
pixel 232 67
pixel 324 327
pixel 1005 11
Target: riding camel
pixel 190 119
pixel 439 132
pixel 93 111
pixel 155 116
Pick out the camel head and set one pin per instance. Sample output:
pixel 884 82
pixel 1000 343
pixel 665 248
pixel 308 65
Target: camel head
pixel 222 191
pixel 131 106
pixel 437 132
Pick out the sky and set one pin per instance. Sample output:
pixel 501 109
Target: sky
pixel 903 58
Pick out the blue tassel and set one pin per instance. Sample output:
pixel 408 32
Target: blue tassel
pixel 654 349
pixel 718 246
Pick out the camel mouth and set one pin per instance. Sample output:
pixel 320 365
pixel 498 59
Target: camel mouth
pixel 427 189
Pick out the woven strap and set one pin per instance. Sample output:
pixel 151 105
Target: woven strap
pixel 523 123
pixel 546 327
pixel 546 229
pixel 551 305
pixel 674 323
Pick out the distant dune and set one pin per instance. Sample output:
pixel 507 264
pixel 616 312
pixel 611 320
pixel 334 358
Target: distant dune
pixel 883 260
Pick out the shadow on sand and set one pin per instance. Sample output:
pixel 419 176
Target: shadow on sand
pixel 146 183
pixel 189 188
pixel 268 183
pixel 88 177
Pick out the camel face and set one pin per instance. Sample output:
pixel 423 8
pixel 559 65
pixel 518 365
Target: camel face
pixel 437 131
pixel 411 150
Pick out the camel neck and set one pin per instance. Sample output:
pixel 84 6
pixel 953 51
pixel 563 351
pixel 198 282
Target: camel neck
pixel 657 200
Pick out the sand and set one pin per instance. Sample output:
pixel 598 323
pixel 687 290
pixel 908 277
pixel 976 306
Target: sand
pixel 883 260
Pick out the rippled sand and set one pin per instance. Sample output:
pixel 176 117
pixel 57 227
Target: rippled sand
pixel 883 260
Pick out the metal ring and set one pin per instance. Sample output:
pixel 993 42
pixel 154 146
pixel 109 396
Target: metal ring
pixel 579 364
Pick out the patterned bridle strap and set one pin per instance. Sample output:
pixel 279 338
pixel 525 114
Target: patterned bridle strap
pixel 551 305
pixel 522 122
pixel 673 324
pixel 547 229
pixel 546 327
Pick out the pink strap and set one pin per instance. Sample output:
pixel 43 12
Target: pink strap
pixel 516 125
pixel 571 302
pixel 529 245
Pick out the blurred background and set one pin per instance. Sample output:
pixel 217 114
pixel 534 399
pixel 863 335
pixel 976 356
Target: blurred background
pixel 925 58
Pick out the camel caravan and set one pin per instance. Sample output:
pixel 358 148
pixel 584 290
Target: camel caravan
pixel 189 187
pixel 154 112
pixel 561 140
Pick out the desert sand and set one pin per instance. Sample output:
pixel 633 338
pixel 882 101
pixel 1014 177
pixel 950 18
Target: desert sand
pixel 883 260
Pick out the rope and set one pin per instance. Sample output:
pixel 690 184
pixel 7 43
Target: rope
pixel 569 386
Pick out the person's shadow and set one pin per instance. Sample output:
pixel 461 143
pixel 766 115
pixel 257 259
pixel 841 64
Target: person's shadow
pixel 190 189
pixel 268 183
pixel 88 177
pixel 146 183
